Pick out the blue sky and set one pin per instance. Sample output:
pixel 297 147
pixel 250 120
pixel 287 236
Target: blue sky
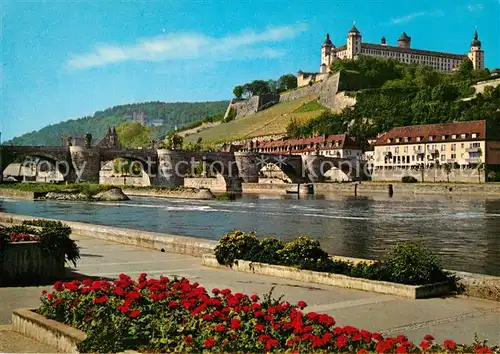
pixel 63 60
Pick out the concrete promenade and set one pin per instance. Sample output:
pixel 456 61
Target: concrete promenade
pixel 458 318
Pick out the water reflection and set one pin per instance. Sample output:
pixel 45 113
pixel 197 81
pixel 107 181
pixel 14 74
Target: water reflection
pixel 463 231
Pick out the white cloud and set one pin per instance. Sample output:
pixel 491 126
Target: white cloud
pixel 407 18
pixel 182 46
pixel 475 7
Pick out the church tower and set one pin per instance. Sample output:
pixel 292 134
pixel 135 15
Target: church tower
pixel 353 43
pixel 476 54
pixel 326 55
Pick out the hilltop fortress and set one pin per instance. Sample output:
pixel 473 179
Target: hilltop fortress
pixel 446 62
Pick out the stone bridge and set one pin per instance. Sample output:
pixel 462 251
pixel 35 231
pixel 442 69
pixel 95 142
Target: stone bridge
pixel 168 167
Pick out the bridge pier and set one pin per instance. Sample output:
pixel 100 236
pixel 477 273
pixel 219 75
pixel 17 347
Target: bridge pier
pixel 171 168
pixel 247 166
pixel 86 163
pixel 312 168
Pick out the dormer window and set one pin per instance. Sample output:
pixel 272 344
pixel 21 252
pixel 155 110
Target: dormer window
pixel 454 136
pixel 418 138
pixel 463 136
pixel 444 137
pixel 474 135
pixel 431 138
pixel 389 141
pixel 397 140
pixel 407 139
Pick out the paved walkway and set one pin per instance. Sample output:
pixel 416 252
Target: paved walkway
pixel 458 318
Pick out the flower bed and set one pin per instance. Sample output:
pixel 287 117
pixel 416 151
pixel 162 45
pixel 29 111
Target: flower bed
pixel 35 251
pixel 172 315
pixel 406 263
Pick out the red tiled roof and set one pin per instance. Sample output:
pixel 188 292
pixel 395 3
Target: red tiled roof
pixel 344 142
pixel 437 131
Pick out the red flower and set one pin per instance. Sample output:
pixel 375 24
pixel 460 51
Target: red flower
pixel 215 291
pixel 341 341
pixel 424 345
pixel 188 339
pixel 235 324
pixel 401 338
pixel 381 347
pixel 123 308
pixel 362 351
pixel 134 313
pixel 209 342
pixel 301 304
pixel 377 336
pixel 100 300
pixel 271 343
pixel 44 292
pixel 429 337
pixel 483 350
pixel 133 295
pixel 172 304
pixel 71 286
pixel 401 349
pixel 220 328
pixel 259 327
pixel 449 344
pixel 254 298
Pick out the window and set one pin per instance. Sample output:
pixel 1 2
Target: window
pixel 474 135
pixel 443 147
pixel 418 138
pixel 462 145
pixel 443 157
pixel 453 156
pixel 475 145
pixel 431 138
pixel 406 149
pixel 453 136
pixel 413 157
pixel 453 147
pixel 396 149
pixel 397 140
pixel 463 136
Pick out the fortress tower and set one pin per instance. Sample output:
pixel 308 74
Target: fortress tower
pixel 476 54
pixel 326 51
pixel 353 43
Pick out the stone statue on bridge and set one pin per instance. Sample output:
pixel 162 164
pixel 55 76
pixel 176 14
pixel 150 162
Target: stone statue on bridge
pixel 68 141
pixel 88 140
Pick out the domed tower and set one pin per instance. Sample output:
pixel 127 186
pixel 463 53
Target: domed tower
pixel 326 54
pixel 404 41
pixel 353 43
pixel 476 54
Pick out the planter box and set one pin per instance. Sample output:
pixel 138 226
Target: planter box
pixel 58 335
pixel 343 281
pixel 27 263
pixel 50 332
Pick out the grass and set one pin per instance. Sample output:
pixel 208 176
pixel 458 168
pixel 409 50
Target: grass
pixel 310 107
pixel 88 189
pixel 267 122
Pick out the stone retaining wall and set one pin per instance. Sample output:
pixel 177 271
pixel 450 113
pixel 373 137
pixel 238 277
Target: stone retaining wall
pixel 214 184
pixel 12 193
pixel 367 188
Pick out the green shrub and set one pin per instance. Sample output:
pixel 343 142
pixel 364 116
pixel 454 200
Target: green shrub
pixel 409 179
pixel 267 251
pixel 408 263
pixel 225 196
pixel 366 270
pixel 54 237
pixel 305 253
pixel 235 245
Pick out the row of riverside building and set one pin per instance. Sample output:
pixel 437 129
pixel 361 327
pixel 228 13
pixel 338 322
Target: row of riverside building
pixel 470 148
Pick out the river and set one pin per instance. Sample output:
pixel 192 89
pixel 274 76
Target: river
pixel 463 231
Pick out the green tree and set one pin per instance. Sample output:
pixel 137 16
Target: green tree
pixel 133 135
pixel 448 168
pixel 238 91
pixel 465 69
pixel 287 82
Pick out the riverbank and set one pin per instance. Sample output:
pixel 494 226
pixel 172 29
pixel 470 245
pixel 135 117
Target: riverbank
pixel 370 188
pixel 458 318
pixel 181 193
pixel 96 192
pixel 475 285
